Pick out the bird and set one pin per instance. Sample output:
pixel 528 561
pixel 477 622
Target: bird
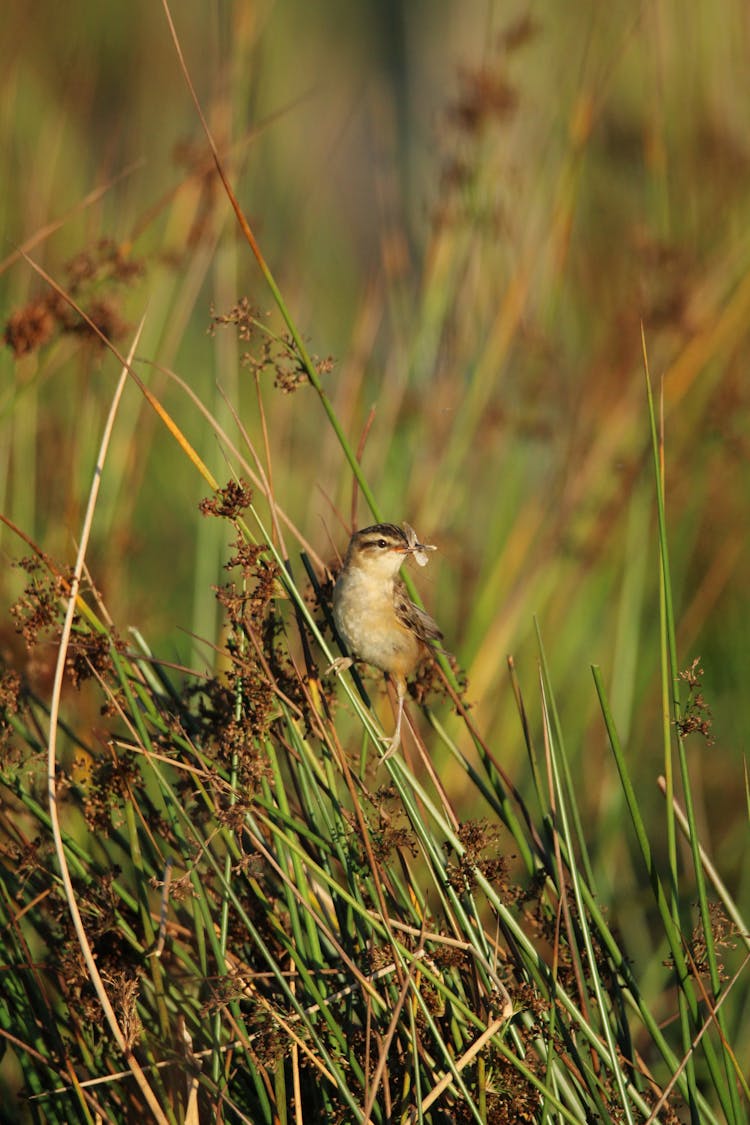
pixel 374 616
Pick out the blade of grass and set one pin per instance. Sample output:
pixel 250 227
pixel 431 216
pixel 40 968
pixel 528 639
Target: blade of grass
pixel 563 793
pixel 732 1106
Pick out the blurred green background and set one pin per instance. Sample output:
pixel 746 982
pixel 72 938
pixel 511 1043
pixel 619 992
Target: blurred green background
pixel 472 208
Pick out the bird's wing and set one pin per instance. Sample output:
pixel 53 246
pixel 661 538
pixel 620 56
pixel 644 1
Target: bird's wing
pixel 414 618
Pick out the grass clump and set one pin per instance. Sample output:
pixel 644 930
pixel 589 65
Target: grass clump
pixel 279 930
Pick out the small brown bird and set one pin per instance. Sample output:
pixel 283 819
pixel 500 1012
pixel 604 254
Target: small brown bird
pixel 375 618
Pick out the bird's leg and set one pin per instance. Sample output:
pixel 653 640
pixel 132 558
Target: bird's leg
pixel 395 741
pixel 340 664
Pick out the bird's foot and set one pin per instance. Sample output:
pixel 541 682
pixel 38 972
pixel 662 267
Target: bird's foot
pixel 392 745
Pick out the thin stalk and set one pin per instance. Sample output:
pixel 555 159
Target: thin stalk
pixel 731 1105
pixel 563 797
pixel 270 280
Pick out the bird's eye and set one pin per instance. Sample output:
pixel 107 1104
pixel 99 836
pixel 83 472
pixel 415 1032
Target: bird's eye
pixel 382 543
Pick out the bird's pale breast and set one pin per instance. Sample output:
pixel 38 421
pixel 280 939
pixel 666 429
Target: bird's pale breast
pixel 366 620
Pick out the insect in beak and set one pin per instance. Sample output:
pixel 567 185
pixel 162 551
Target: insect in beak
pixel 419 550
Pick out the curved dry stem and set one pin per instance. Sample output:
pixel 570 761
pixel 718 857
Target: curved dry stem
pixel 70 895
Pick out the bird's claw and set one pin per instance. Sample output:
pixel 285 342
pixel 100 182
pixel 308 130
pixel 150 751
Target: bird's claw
pixel 392 745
